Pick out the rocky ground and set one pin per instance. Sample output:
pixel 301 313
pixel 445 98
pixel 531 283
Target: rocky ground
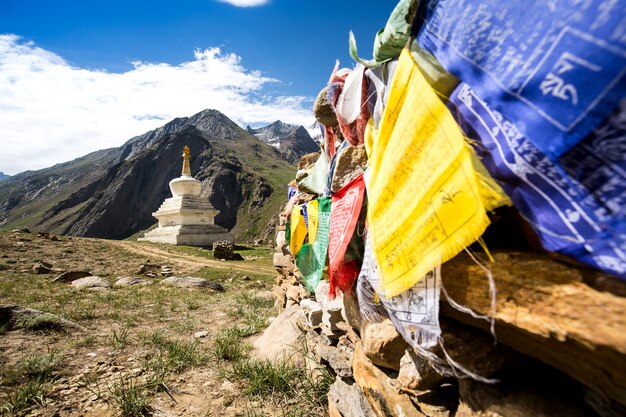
pixel 149 348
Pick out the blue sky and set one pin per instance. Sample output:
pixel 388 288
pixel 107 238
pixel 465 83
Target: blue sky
pixel 295 41
pixel 77 76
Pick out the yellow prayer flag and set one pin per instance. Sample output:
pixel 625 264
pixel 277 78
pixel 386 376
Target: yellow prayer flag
pixel 298 230
pixel 424 200
pixel 312 210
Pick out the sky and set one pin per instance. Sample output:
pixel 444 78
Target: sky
pixel 79 76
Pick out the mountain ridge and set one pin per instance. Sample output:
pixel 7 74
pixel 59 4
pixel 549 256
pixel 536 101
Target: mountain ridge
pixel 291 141
pixel 112 193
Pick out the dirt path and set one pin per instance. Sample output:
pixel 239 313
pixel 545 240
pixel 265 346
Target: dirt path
pixel 188 260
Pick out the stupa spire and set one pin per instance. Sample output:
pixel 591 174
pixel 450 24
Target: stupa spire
pixel 186 166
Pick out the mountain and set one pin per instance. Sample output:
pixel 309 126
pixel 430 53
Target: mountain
pixel 3 176
pixel 112 193
pixel 291 141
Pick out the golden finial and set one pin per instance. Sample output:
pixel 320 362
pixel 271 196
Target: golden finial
pixel 186 166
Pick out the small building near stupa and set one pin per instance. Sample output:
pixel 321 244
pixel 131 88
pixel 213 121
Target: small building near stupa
pixel 186 218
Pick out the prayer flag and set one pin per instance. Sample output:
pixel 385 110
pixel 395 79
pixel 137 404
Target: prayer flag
pixel 555 69
pixel 344 216
pixel 312 256
pixel 424 202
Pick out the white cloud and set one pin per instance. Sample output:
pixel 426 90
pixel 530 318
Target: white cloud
pixel 51 111
pixel 245 3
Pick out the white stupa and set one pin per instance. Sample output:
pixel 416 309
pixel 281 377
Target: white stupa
pixel 186 218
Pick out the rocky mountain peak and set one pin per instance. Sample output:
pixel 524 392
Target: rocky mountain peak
pixel 292 141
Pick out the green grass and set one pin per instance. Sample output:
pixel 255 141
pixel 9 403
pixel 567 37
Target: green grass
pixel 284 380
pixel 32 393
pixel 182 355
pixel 41 366
pixel 120 339
pixel 254 301
pixel 228 345
pixel 36 371
pixel 44 321
pixel 131 398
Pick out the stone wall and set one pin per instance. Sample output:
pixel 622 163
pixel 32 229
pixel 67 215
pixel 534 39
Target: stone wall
pixel 560 351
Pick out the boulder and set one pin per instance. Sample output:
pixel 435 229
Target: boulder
pixel 91 282
pixel 70 276
pixel 383 398
pixel 191 282
pixel 351 163
pixel 551 311
pixel 283 338
pixel 130 281
pixel 15 317
pixel 223 249
pixel 347 400
pixel 382 344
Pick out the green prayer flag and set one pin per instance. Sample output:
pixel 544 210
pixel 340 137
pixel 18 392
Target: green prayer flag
pixel 311 258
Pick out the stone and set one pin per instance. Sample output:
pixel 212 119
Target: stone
pixel 70 276
pixel 340 362
pixel 186 218
pixel 202 334
pixel 331 308
pixel 191 282
pixel 294 292
pixel 15 317
pixel 281 260
pixel 349 331
pixel 323 110
pixel 416 374
pixel 351 163
pixel 130 281
pixel 223 249
pixel 347 400
pixel 281 295
pixel 312 311
pixel 350 311
pixel 265 296
pixel 282 339
pixel 384 399
pixel 42 267
pixel 281 240
pixel 91 282
pixel 551 311
pixel 307 160
pixel 382 344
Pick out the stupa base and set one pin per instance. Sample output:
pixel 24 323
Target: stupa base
pixel 188 235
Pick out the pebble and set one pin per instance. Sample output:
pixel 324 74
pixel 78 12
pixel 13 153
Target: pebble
pixel 201 334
